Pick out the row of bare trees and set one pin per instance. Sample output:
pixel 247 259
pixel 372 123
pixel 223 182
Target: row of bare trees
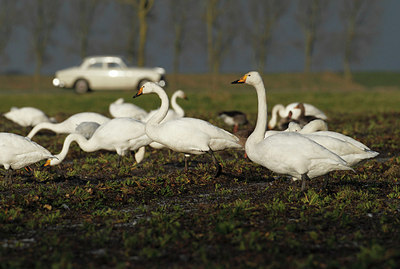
pixel 216 25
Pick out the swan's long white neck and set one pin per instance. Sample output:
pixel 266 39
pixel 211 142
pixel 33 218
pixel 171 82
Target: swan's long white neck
pixel 259 130
pixel 175 105
pixel 278 109
pixel 56 127
pixel 162 111
pixel 78 138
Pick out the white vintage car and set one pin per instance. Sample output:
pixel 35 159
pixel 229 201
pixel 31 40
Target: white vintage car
pixel 107 73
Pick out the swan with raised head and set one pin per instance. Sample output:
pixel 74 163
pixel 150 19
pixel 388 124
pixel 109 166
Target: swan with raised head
pixel 186 135
pixel 176 112
pixel 287 153
pixel 119 134
pixel 119 109
pixel 281 111
pixel 17 151
pixel 27 116
pixel 68 126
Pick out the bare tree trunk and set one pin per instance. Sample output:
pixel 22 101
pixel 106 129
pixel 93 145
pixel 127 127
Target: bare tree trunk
pixel 348 50
pixel 42 21
pixel 143 11
pixel 220 28
pixel 265 15
pixel 211 11
pixel 82 18
pixel 310 15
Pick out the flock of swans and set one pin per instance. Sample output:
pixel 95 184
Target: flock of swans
pixel 303 148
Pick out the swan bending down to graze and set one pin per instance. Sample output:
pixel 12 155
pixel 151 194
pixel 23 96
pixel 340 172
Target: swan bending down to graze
pixel 186 135
pixel 287 153
pixel 68 126
pixel 120 109
pixel 175 113
pixel 17 151
pixel 119 134
pixel 283 113
pixel 27 116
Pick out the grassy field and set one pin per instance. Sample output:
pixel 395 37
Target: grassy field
pixel 88 213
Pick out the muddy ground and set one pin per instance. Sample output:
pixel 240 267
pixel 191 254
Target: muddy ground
pixel 88 212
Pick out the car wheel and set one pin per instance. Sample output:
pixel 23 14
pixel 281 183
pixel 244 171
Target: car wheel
pixel 140 84
pixel 81 86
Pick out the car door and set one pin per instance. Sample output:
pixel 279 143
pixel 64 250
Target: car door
pixel 95 73
pixel 116 76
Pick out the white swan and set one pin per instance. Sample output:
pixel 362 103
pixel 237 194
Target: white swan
pixel 27 116
pixel 119 134
pixel 186 135
pixel 351 150
pixel 286 152
pixel 17 151
pixel 175 113
pixel 120 109
pixel 68 126
pixel 283 112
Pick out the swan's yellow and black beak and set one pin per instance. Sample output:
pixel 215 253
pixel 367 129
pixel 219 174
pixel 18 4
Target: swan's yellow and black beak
pixel 47 163
pixel 139 93
pixel 242 80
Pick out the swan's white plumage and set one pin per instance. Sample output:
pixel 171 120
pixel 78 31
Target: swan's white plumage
pixel 17 151
pixel 175 113
pixel 286 152
pixel 87 128
pixel 345 146
pixel 186 135
pixel 283 112
pixel 68 126
pixel 121 109
pixel 27 116
pixel 119 134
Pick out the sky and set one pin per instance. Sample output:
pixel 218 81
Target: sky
pixel 383 54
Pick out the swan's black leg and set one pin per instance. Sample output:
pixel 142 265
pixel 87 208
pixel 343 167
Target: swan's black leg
pixel 186 163
pixel 216 163
pixel 304 179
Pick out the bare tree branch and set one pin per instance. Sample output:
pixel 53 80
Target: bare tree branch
pixel 42 18
pixel 311 16
pixel 265 16
pixel 359 18
pixel 81 20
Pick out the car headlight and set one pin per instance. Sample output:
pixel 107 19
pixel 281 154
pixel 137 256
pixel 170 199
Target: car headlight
pixel 58 83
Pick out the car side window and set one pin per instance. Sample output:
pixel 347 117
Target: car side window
pixel 96 65
pixel 113 65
